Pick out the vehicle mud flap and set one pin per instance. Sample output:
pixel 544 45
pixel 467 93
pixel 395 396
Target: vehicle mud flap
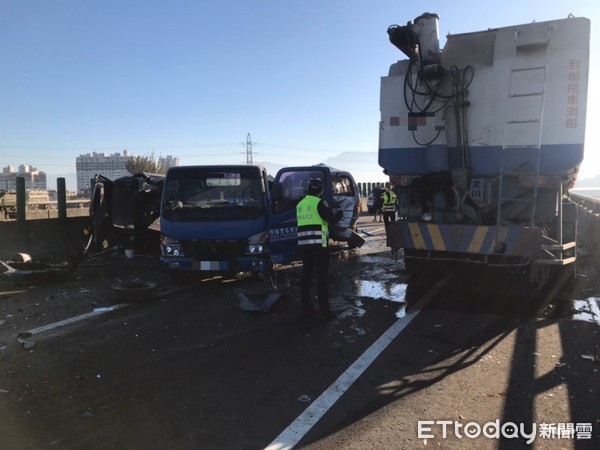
pixel 258 299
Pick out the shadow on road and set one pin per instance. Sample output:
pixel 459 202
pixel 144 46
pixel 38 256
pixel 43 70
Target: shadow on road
pixel 479 311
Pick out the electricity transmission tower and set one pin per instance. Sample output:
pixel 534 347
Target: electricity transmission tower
pixel 249 150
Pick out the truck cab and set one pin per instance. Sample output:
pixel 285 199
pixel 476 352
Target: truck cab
pixel 290 186
pixel 214 218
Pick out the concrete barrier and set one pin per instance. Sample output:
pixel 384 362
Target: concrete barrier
pixel 43 237
pixel 54 213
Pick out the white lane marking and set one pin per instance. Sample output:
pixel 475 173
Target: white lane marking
pixel 97 312
pixel 311 415
pixel 595 309
pixel 71 320
pixel 587 310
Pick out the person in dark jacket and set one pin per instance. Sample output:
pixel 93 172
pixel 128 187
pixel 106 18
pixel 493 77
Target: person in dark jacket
pixel 377 204
pixel 314 217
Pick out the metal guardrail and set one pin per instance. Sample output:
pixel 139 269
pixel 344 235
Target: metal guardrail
pixel 366 188
pixel 588 221
pixel 586 201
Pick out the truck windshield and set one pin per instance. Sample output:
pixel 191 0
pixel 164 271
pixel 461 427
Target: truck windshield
pixel 292 186
pixel 200 193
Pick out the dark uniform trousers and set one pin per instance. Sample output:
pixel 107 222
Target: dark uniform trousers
pixel 315 260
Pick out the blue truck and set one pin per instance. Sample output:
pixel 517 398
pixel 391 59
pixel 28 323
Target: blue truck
pixel 236 218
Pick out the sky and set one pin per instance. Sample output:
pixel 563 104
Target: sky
pixel 191 78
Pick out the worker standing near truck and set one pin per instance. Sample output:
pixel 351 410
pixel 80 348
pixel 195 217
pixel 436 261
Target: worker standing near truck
pixel 377 203
pixel 389 211
pixel 389 206
pixel 314 216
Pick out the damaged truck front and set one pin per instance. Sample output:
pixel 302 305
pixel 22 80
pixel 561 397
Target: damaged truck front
pixel 232 218
pixel 214 219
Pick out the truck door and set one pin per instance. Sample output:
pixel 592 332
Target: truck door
pixel 290 186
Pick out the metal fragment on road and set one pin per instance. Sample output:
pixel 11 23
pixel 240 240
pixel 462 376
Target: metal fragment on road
pixel 24 338
pixel 592 358
pixel 257 300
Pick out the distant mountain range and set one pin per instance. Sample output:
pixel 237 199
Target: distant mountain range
pixel 362 165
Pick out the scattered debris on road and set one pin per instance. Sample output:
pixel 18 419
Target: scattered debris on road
pixel 257 300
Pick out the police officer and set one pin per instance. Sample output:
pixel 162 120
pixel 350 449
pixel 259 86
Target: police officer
pixel 314 217
pixel 389 205
pixel 389 211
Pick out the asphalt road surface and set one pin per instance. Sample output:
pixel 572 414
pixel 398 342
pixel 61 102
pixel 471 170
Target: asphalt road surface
pixel 449 358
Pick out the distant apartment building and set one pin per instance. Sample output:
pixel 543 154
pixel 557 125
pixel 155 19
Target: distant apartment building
pixel 111 166
pixel 90 164
pixel 34 179
pixel 168 162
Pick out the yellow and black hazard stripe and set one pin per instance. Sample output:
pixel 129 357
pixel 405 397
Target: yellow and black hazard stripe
pixel 473 239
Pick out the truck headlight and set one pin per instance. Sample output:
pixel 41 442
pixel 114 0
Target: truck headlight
pixel 170 247
pixel 255 248
pixel 257 243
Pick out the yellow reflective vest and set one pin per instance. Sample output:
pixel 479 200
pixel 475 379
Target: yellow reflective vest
pixel 312 229
pixel 389 201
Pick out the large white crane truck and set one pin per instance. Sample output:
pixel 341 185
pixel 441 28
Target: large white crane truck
pixel 482 140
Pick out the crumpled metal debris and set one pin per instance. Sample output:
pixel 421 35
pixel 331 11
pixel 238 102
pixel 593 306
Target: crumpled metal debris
pixel 22 267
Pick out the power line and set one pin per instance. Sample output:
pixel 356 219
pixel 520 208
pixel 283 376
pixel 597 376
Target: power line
pixel 119 148
pixel 168 147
